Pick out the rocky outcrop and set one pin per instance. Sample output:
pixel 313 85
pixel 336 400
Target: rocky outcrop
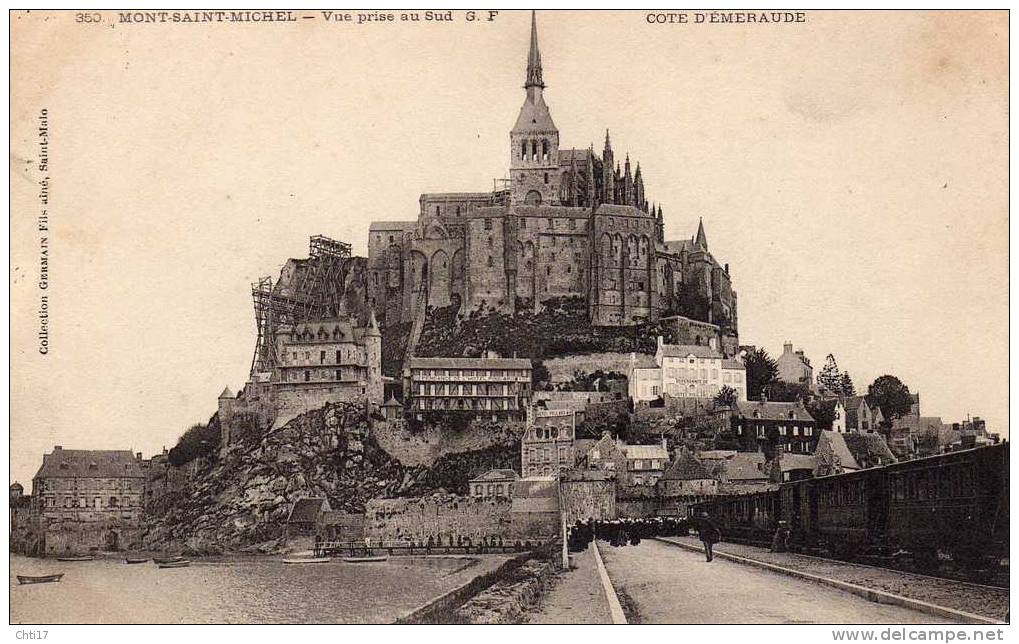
pixel 241 502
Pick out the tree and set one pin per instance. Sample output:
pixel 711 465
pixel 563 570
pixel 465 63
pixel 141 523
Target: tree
pixel 891 395
pixel 823 412
pixel 761 371
pixel 781 391
pixel 726 397
pixel 540 377
pixel 848 389
pixel 830 378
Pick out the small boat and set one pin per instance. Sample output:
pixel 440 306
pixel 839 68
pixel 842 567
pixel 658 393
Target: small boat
pixel 365 559
pixel 77 558
pixel 304 560
pixel 183 563
pixel 133 560
pixel 39 579
pixel 166 560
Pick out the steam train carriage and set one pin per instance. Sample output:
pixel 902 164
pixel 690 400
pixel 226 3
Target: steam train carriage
pixel 955 503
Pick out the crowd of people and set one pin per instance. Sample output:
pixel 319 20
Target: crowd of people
pixel 621 532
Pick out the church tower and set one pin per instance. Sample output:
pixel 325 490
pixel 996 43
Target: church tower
pixel 534 140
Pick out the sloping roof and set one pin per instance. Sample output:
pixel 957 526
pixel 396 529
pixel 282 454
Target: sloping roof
pixel 90 463
pixel 869 450
pixel 684 350
pixel 839 449
pixel 686 468
pixel 379 226
pixel 852 406
pixel 391 402
pixel 678 246
pixel 919 424
pixel 716 454
pixel 497 475
pixel 798 462
pixel 645 452
pixel 773 410
pixel 17 486
pixel 307 510
pixel 470 363
pixel 534 117
pixel 745 466
pixel 644 361
pixel 226 393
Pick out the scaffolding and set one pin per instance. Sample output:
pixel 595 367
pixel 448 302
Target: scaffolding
pixel 312 291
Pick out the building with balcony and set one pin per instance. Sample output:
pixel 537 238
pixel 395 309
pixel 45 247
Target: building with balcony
pixel 493 388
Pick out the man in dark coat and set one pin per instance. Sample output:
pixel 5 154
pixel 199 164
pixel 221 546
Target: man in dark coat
pixel 708 532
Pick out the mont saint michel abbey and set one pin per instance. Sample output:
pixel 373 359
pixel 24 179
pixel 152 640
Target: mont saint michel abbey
pixel 570 223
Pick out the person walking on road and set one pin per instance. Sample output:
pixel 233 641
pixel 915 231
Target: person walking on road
pixel 708 532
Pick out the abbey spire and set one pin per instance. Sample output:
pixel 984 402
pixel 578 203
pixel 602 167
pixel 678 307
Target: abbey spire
pixel 534 139
pixel 534 58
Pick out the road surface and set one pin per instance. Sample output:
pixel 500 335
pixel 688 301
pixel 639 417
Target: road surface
pixel 665 584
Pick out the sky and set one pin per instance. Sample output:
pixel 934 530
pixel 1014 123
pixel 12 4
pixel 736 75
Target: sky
pixel 851 169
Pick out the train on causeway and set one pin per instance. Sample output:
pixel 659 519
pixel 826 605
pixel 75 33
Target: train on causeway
pixel 953 504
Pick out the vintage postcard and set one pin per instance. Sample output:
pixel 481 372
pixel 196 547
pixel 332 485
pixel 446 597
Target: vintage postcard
pixel 510 317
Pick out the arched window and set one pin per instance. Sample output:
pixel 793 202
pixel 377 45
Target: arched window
pixel 534 150
pixel 523 150
pixel 544 150
pixel 113 502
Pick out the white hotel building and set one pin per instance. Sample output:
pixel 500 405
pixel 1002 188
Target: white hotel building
pixel 687 371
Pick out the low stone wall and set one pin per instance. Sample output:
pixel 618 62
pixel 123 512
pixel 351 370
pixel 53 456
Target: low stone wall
pixel 589 500
pixel 509 600
pixel 444 517
pixel 561 369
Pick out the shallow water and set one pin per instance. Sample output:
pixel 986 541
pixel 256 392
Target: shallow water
pixel 249 590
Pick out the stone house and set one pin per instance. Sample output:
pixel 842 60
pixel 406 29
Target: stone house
pixel 776 426
pixel 88 500
pixel 494 483
pixel 687 477
pixel 794 367
pixel 547 448
pixel 304 519
pixel 861 416
pixel 634 465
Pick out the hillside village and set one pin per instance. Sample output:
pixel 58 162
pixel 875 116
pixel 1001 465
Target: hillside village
pixel 506 362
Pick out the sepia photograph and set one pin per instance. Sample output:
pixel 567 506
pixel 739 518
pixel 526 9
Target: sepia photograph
pixel 507 317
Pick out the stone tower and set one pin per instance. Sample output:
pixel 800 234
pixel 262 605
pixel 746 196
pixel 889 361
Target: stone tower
pixel 534 140
pixel 372 339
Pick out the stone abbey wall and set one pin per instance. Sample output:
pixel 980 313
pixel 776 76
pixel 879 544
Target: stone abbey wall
pixel 439 517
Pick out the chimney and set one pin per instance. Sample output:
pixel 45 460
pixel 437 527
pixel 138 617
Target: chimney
pixel 138 455
pixel 57 448
pixel 787 347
